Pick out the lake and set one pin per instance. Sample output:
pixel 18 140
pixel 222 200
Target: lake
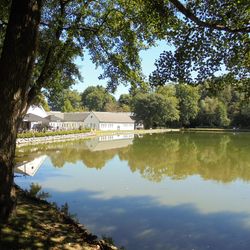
pixel 159 191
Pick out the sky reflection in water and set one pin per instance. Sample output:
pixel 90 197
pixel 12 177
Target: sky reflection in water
pixel 171 191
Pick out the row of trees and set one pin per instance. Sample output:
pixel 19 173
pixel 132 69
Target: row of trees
pixel 192 106
pixel 170 105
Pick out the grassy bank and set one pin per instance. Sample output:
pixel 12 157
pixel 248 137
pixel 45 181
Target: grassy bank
pixel 38 224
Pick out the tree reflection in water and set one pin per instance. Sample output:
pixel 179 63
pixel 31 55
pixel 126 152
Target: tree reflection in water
pixel 222 157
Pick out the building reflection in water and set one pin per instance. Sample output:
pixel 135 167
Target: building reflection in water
pixel 108 142
pixel 30 167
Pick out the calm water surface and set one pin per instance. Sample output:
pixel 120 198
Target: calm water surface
pixel 160 191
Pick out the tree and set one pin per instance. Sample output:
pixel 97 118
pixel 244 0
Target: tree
pixel 213 113
pixel 125 102
pixel 235 101
pixel 221 115
pixel 67 100
pixel 16 64
pixel 188 102
pixel 155 110
pixel 208 36
pixel 98 99
pixel 41 100
pixel 112 31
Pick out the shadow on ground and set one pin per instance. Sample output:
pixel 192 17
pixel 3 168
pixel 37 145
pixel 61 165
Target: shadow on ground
pixel 38 225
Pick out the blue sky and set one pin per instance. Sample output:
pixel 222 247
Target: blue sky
pixel 90 73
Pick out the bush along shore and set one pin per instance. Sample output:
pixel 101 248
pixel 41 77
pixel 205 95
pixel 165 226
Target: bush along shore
pixel 38 224
pixel 44 137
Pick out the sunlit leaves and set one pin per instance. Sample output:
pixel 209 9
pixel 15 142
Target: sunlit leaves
pixel 219 41
pixel 155 110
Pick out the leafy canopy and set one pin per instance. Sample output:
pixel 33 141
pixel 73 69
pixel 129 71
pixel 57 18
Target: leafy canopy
pixel 210 36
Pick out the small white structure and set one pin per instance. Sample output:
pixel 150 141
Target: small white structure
pixel 109 121
pixel 32 122
pixel 37 110
pixel 34 118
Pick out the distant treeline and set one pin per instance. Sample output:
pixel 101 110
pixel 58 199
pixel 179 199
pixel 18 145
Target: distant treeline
pixel 211 104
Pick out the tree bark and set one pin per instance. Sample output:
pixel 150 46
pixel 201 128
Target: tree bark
pixel 16 65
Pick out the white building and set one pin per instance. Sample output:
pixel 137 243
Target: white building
pixel 36 119
pixel 109 121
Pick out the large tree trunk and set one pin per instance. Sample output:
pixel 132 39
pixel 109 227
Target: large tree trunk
pixel 16 65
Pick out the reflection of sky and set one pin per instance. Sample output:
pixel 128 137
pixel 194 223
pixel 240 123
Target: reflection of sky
pixel 116 180
pixel 190 213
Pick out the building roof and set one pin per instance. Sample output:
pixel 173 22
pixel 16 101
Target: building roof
pixel 53 118
pixel 56 113
pixel 69 116
pixel 33 118
pixel 114 117
pixel 75 116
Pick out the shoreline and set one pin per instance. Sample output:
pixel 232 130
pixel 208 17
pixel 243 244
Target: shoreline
pixel 38 224
pixel 69 137
pixel 215 130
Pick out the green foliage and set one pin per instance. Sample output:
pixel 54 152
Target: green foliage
pixel 211 36
pixel 98 99
pixel 67 107
pixel 155 110
pixel 40 100
pixel 242 118
pixel 65 101
pixel 213 113
pixel 125 99
pixel 221 115
pixel 51 133
pixel 35 191
pixel 188 97
pixel 201 105
pixel 125 102
pixel 113 32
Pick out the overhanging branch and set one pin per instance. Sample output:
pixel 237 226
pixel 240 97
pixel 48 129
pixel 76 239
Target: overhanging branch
pixel 212 25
